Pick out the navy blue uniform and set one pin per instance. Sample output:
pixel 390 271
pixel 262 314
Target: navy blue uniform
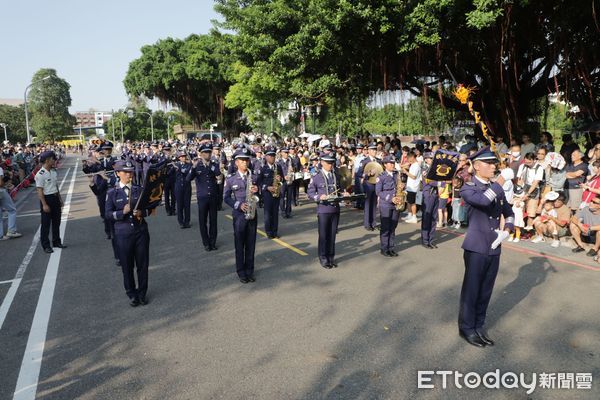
pixel 222 161
pixel 429 210
pixel 486 204
pixel 169 190
pixel 297 167
pixel 183 192
pixel 385 188
pixel 371 196
pixel 328 214
pixel 264 179
pixel 287 189
pixel 244 230
pixel 207 194
pixel 132 239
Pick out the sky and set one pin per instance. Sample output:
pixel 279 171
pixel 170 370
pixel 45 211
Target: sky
pixel 89 44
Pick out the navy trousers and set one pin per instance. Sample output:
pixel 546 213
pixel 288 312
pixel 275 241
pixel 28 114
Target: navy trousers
pixel 134 253
pixel 101 200
pixel 244 232
pixel 358 189
pixel 271 211
pixel 286 197
pixel 170 196
pixel 430 216
pixel 183 200
pixel 328 225
pixel 207 219
pixel 389 222
pixel 478 283
pixel 50 219
pixel 370 205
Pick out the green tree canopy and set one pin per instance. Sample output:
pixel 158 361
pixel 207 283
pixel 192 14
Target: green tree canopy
pixel 14 118
pixel 193 74
pixel 515 52
pixel 49 102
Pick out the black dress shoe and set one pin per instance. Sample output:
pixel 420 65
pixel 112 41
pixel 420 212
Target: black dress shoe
pixel 327 266
pixel 244 280
pixel 181 226
pixel 134 302
pixel 426 246
pixel 48 250
pixel 270 237
pixel 143 300
pixel 432 246
pixel 334 264
pixel 59 246
pixel 393 253
pixel 370 229
pixel 473 339
pixel 187 226
pixel 385 253
pixel 108 237
pixel 207 248
pixel 251 279
pixel 485 338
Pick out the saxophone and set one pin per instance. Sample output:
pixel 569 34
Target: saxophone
pixel 251 199
pixel 400 193
pixel 276 184
pixel 289 177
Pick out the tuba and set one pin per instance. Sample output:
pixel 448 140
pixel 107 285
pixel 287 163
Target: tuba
pixel 251 199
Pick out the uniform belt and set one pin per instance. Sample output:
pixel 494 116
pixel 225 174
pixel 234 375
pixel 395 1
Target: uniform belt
pixel 50 195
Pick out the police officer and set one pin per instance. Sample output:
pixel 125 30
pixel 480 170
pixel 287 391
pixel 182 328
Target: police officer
pixel 131 233
pixel 323 184
pixel 481 246
pixel 183 190
pixel 169 186
pixel 46 183
pixel 244 229
pixel 431 200
pixel 368 189
pixel 385 188
pixel 287 188
pixel 270 194
pixel 207 173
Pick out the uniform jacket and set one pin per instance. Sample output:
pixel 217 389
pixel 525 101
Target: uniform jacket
pixel 319 186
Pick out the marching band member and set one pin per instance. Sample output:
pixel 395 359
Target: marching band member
pixel 369 189
pixel 287 188
pixel 244 223
pixel 131 233
pixel 385 188
pixel 270 191
pixel 183 190
pixel 169 186
pixel 207 173
pixel 430 206
pixel 481 246
pixel 321 186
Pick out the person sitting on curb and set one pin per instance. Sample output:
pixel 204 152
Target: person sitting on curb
pixel 553 222
pixel 584 226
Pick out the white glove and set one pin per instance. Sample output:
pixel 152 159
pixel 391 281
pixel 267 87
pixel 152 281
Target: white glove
pixel 508 174
pixel 502 235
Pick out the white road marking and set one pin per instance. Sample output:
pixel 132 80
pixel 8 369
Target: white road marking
pixel 32 359
pixel 11 281
pixel 12 291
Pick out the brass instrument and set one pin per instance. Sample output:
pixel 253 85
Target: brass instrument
pixel 251 199
pixel 400 193
pixel 276 184
pixel 372 170
pixel 289 177
pixel 345 177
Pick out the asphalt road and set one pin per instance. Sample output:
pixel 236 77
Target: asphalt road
pixel 361 331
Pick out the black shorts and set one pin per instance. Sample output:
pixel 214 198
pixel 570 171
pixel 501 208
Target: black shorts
pixel 411 197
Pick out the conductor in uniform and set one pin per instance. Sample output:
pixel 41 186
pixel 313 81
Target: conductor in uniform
pixel 481 246
pixel 270 193
pixel 322 185
pixel 244 224
pixel 46 183
pixel 207 173
pixel 385 188
pixel 131 233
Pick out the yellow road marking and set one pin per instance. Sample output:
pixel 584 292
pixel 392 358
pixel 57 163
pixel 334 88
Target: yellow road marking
pixel 279 241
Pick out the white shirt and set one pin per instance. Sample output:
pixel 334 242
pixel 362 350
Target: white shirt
pixel 530 174
pixel 412 185
pixel 47 180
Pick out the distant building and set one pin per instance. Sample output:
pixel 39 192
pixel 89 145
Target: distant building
pixel 92 118
pixel 11 102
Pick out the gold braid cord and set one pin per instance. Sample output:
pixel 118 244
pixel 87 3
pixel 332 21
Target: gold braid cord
pixel 462 93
